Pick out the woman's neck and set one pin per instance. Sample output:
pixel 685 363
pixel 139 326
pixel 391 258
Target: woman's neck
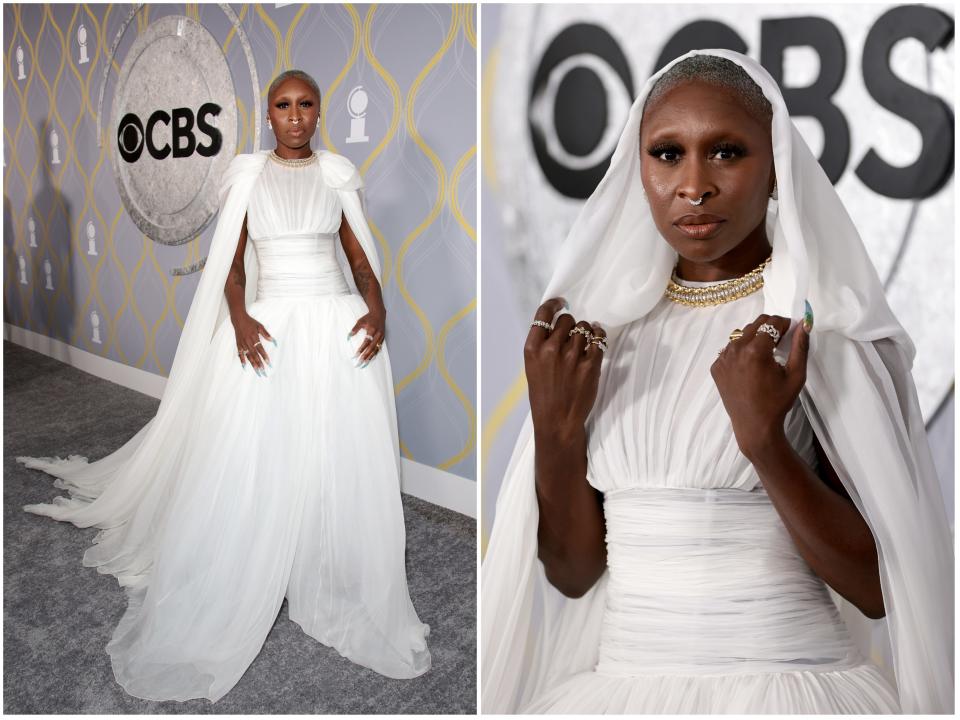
pixel 743 258
pixel 288 153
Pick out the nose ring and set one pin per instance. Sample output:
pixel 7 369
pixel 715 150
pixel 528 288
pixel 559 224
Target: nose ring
pixel 295 120
pixel 697 202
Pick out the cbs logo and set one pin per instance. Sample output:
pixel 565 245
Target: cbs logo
pixel 582 91
pixel 132 136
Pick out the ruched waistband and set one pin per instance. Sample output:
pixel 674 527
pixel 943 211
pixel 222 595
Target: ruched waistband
pixel 299 264
pixel 710 581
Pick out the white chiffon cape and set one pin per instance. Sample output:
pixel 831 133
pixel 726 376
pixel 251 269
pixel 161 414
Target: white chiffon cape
pixel 859 397
pixel 141 468
pixel 361 608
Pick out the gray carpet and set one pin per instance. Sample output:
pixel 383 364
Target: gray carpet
pixel 59 615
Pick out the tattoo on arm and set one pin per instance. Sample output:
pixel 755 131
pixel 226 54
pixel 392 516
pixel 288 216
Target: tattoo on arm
pixel 363 277
pixel 237 276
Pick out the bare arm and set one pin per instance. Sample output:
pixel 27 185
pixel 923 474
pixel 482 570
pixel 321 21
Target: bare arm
pixel 570 535
pixel 247 330
pixel 375 321
pixel 237 277
pixel 826 526
pixel 563 374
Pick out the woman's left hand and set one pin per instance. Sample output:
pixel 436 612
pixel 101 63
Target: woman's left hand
pixel 756 390
pixel 373 324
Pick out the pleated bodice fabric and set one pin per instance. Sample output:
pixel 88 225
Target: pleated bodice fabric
pixel 658 420
pixel 292 199
pixel 292 220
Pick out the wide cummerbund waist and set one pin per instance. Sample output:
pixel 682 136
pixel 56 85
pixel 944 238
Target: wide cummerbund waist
pixel 299 264
pixel 710 581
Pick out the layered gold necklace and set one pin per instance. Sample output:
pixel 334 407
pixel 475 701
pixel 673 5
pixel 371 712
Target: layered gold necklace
pixel 294 162
pixel 718 293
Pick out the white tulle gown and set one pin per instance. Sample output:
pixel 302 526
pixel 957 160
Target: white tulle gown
pixel 709 606
pixel 287 485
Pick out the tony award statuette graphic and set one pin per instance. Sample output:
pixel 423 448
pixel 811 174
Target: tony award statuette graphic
pixel 20 75
pixel 95 324
pixel 48 271
pixel 54 147
pixel 82 39
pixel 32 229
pixel 357 106
pixel 91 238
pixel 23 270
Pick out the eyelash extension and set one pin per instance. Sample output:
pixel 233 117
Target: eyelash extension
pixel 737 150
pixel 305 102
pixel 657 150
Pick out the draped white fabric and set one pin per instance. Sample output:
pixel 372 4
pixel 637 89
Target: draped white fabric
pixel 540 650
pixel 246 489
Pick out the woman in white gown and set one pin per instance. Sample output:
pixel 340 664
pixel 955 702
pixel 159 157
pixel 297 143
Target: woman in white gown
pixel 277 479
pixel 660 545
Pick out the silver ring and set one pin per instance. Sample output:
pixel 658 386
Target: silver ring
pixel 771 331
pixel 540 323
pixel 582 331
pixel 258 342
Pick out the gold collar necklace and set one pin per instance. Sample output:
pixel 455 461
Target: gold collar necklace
pixel 296 162
pixel 717 293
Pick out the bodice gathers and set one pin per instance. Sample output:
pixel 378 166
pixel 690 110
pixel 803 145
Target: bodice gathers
pixel 703 574
pixel 293 219
pixel 658 420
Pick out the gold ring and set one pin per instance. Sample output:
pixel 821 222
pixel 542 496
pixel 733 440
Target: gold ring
pixel 736 334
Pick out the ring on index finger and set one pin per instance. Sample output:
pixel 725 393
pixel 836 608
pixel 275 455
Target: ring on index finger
pixel 543 324
pixel 771 331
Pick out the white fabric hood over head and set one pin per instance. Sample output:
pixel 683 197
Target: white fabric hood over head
pixel 859 397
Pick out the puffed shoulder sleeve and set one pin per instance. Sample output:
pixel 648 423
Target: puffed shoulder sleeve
pixel 239 166
pixel 339 173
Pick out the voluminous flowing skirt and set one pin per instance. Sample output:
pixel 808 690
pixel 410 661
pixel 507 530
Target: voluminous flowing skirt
pixel 286 485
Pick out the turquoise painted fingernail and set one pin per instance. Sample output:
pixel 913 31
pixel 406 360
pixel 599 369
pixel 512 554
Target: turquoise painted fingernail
pixel 807 316
pixel 269 363
pixel 274 341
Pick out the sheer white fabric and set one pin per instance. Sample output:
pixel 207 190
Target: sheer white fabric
pixel 537 647
pixel 286 485
pixel 703 578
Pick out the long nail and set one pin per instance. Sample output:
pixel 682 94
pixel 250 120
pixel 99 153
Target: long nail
pixel 274 341
pixel 807 316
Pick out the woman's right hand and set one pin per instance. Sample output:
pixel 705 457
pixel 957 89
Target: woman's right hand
pixel 249 343
pixel 563 369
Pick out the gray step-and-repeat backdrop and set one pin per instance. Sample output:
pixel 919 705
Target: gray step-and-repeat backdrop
pixel 399 99
pixel 871 88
